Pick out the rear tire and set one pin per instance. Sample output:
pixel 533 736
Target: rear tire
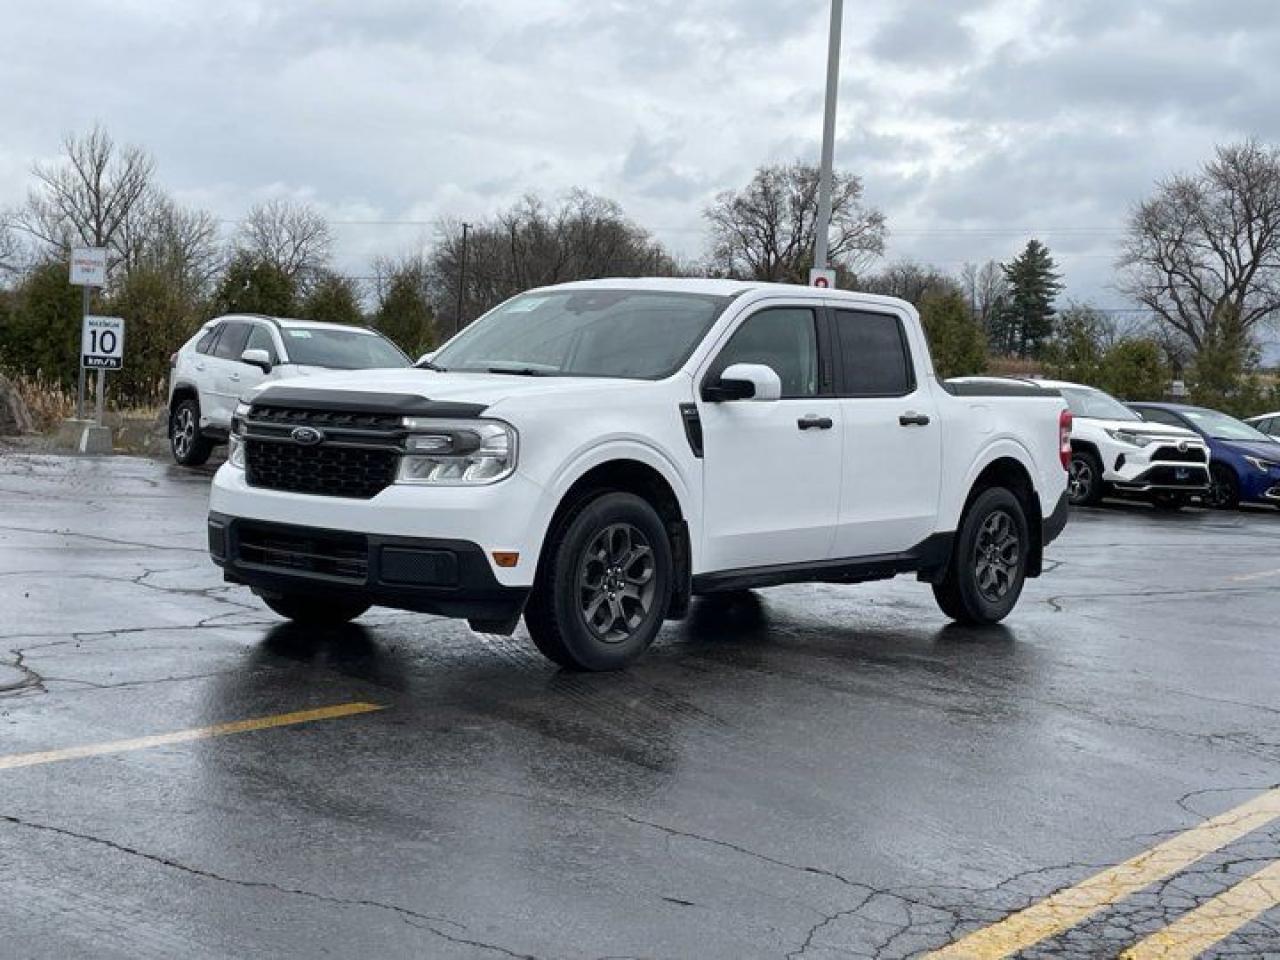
pixel 1224 488
pixel 189 448
pixel 1084 485
pixel 315 611
pixel 988 561
pixel 604 584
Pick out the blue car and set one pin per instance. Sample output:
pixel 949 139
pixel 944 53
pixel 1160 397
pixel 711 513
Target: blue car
pixel 1244 462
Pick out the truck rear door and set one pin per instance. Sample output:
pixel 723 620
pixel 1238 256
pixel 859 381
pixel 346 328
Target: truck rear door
pixel 892 436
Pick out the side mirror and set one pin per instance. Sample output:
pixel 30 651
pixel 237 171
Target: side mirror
pixel 744 381
pixel 257 358
pixel 425 358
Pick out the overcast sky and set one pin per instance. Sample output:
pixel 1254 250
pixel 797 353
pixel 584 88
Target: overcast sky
pixel 974 124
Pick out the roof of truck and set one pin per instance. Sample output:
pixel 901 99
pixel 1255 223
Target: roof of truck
pixel 720 288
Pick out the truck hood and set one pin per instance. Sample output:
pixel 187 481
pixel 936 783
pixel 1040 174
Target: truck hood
pixel 482 388
pixel 1144 427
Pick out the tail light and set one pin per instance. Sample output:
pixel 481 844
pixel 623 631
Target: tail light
pixel 1064 439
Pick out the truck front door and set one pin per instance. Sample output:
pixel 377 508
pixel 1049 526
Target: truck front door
pixel 771 474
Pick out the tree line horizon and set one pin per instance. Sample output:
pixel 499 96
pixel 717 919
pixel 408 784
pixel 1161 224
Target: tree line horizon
pixel 1201 255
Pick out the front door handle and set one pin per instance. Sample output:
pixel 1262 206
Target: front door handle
pixel 913 419
pixel 814 423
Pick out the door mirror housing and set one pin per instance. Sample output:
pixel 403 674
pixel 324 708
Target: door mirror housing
pixel 257 358
pixel 744 381
pixel 425 358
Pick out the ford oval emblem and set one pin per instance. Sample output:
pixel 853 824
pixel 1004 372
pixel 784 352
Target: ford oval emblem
pixel 307 436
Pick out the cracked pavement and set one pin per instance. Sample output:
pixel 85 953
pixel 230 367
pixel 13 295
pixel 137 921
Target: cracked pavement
pixel 815 771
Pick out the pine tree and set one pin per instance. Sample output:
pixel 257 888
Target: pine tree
pixel 1034 283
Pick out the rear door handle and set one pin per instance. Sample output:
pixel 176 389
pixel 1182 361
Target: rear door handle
pixel 814 423
pixel 913 419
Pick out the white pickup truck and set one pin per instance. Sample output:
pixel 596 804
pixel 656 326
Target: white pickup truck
pixel 593 455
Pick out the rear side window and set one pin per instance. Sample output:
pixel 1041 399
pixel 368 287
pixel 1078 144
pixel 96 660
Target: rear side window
pixel 230 345
pixel 875 361
pixel 205 343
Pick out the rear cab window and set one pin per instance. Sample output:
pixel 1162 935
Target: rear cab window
pixel 875 360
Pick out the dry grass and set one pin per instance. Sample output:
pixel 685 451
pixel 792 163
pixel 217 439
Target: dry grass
pixel 1013 367
pixel 48 401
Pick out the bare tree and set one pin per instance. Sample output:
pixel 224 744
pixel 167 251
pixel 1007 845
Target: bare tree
pixel 1203 254
pixel 988 291
pixel 180 242
pixel 910 281
pixel 532 244
pixel 87 196
pixel 294 237
pixel 10 248
pixel 766 231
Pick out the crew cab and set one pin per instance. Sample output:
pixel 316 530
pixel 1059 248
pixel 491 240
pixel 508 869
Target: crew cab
pixel 592 455
pixel 235 353
pixel 1115 451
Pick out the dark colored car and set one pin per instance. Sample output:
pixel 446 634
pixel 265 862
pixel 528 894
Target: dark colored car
pixel 1244 462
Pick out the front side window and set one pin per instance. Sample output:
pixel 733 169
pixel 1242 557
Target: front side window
pixel 235 334
pixel 639 334
pixel 340 349
pixel 874 355
pixel 1156 415
pixel 260 339
pixel 784 339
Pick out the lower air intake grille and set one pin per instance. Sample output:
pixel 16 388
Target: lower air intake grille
pixel 343 556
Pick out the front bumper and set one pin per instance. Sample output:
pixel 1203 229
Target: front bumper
pixel 1184 477
pixel 451 578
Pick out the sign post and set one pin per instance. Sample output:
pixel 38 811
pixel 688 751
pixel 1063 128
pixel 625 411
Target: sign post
pixel 101 349
pixel 88 270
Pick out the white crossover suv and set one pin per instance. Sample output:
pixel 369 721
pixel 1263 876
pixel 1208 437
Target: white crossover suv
pixel 1115 451
pixel 231 355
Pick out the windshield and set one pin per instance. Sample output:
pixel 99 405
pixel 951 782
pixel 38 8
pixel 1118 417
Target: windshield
pixel 586 333
pixel 1222 427
pixel 1086 402
pixel 340 349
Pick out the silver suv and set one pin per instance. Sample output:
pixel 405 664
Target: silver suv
pixel 232 354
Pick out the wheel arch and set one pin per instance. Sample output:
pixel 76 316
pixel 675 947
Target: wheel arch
pixel 628 473
pixel 1007 470
pixel 183 391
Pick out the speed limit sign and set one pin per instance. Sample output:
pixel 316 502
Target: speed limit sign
pixel 102 343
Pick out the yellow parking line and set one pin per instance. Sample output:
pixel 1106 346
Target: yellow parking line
pixel 183 736
pixel 1195 932
pixel 1066 908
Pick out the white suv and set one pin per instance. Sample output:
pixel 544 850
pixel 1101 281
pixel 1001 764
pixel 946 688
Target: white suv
pixel 232 354
pixel 1113 450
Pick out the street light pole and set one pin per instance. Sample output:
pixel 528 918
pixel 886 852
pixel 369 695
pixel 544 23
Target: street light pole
pixel 823 225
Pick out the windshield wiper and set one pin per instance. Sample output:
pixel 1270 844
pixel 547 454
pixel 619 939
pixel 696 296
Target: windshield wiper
pixel 519 371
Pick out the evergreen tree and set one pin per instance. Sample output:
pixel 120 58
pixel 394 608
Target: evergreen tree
pixel 251 285
pixel 1034 283
pixel 955 336
pixel 332 299
pixel 404 314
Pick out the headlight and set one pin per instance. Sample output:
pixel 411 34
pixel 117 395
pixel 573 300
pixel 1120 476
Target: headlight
pixel 242 410
pixel 1266 466
pixel 457 452
pixel 235 450
pixel 1131 438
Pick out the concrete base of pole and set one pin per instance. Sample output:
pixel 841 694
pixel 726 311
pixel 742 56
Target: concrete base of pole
pixel 84 436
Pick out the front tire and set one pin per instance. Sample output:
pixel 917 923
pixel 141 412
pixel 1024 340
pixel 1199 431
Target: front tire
pixel 604 584
pixel 315 611
pixel 189 448
pixel 1084 484
pixel 1224 488
pixel 988 561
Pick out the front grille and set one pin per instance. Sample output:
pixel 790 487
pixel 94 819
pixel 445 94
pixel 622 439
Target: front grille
pixel 325 419
pixel 1174 455
pixel 344 556
pixel 325 470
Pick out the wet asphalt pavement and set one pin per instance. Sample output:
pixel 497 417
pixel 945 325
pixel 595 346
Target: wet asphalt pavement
pixel 826 771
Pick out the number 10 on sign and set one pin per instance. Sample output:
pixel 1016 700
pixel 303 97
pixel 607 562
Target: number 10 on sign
pixel 102 343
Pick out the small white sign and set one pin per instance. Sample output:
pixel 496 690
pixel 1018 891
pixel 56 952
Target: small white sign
pixel 89 267
pixel 826 279
pixel 102 343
